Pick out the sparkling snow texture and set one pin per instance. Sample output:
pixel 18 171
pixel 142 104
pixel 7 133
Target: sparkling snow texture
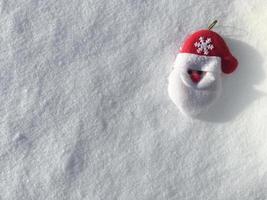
pixel 85 112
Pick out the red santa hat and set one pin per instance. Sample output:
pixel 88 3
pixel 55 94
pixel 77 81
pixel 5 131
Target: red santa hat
pixel 208 44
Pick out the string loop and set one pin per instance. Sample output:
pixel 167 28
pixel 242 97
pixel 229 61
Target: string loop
pixel 212 24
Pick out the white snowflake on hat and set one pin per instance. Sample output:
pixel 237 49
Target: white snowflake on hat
pixel 195 82
pixel 204 45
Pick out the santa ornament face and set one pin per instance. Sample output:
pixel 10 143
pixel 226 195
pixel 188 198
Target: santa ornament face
pixel 196 78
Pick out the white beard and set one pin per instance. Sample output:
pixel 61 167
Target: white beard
pixel 191 98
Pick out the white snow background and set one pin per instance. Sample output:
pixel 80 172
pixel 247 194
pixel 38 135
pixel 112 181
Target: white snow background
pixel 85 112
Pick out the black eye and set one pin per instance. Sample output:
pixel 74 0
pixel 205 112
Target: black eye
pixel 189 71
pixel 199 72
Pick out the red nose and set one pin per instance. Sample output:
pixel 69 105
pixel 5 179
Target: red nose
pixel 195 75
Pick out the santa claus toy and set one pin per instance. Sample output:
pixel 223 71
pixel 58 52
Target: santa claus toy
pixel 196 78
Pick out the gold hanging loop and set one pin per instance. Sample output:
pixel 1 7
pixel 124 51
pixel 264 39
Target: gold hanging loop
pixel 212 24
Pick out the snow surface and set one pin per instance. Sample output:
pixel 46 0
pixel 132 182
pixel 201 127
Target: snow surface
pixel 85 112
